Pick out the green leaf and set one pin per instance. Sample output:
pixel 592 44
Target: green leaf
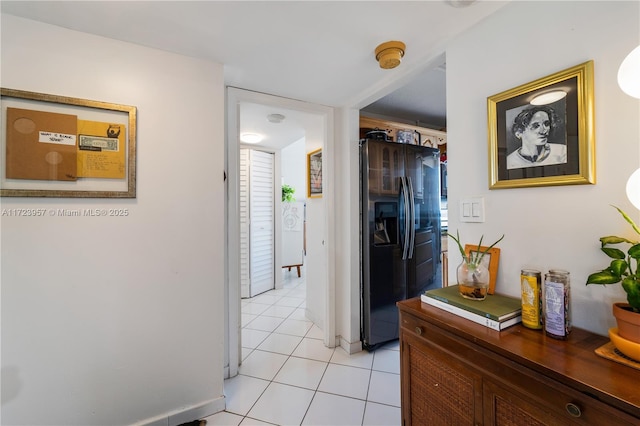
pixel 475 256
pixel 479 259
pixel 287 193
pixel 613 253
pixel 618 267
pixel 612 239
pixel 457 240
pixel 603 277
pixel 635 251
pixel 480 243
pixel 629 220
pixel 632 286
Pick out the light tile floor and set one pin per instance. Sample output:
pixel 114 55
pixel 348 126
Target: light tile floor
pixel 288 376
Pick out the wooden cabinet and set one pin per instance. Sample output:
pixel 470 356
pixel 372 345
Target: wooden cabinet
pixel 455 372
pixel 428 137
pixel 385 165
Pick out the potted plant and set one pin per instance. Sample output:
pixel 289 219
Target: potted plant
pixel 287 193
pixel 473 276
pixel 623 269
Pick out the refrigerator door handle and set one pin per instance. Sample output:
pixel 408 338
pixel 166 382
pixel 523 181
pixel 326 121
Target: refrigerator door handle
pixel 405 201
pixel 412 218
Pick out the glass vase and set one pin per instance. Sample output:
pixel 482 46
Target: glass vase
pixel 473 281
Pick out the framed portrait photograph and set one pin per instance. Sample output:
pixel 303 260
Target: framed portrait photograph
pixel 314 174
pixel 57 146
pixel 490 261
pixel 542 133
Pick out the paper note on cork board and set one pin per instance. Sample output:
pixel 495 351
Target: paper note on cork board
pixel 101 150
pixel 41 145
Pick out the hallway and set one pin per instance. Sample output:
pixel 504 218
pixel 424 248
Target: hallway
pixel 288 376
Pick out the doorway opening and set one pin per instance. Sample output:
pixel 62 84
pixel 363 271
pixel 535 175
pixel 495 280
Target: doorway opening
pixel 320 292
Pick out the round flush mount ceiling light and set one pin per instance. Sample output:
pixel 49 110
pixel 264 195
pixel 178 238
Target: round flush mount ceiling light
pixel 548 98
pixel 275 118
pixel 250 137
pixel 460 3
pixel 390 54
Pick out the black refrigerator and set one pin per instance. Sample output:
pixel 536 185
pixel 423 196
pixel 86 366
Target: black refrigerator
pixel 400 232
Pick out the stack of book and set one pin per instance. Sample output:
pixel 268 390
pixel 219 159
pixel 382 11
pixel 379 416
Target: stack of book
pixel 496 311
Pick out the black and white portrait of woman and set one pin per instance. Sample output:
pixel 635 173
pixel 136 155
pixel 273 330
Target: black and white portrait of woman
pixel 537 135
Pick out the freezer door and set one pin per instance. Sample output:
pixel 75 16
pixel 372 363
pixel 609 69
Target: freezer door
pixel 424 267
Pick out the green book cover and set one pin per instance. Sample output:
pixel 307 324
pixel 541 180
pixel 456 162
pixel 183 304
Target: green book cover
pixel 497 307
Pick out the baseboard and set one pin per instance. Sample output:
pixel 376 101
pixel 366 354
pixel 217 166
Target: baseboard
pixel 185 415
pixel 350 348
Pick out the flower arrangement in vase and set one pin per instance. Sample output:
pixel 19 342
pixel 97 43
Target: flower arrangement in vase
pixel 472 274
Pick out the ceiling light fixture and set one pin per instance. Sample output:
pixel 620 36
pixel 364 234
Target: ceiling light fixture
pixel 548 98
pixel 275 118
pixel 390 54
pixel 460 3
pixel 250 137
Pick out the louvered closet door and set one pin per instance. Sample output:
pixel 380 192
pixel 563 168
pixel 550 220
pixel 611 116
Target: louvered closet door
pixel 256 222
pixel 262 221
pixel 245 274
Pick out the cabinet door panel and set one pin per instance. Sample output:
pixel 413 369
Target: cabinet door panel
pixel 439 391
pixel 504 408
pixel 535 403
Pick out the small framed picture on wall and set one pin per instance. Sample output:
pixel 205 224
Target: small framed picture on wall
pixel 314 174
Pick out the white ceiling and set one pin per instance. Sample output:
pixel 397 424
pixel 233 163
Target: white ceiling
pixel 318 52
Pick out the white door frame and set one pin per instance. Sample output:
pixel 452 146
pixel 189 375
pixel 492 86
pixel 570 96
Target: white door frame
pixel 232 276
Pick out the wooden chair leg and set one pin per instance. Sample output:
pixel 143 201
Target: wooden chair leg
pixel 298 266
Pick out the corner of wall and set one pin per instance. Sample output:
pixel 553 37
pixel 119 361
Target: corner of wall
pixel 349 347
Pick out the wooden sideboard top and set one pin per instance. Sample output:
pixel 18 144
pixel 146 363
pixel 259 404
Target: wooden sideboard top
pixel 572 362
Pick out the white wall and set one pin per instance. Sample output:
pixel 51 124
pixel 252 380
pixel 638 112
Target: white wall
pixel 117 320
pixel 316 303
pixel 550 227
pixel 294 168
pixel 347 237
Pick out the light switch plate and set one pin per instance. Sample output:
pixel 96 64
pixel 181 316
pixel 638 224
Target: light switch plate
pixel 472 209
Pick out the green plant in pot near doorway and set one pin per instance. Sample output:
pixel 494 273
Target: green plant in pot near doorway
pixel 623 269
pixel 287 193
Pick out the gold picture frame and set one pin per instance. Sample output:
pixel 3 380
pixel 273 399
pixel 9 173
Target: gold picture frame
pixel 565 154
pixel 58 146
pixel 314 174
pixel 490 261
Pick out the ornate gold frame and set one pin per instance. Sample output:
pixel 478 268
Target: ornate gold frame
pixel 86 188
pixel 580 167
pixel 314 191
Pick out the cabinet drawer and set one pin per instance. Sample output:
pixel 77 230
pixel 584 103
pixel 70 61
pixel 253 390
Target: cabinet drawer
pixel 514 392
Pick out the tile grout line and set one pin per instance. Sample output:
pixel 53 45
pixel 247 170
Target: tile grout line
pixel 291 355
pixel 271 381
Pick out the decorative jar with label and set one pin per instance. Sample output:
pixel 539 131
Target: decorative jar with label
pixel 557 304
